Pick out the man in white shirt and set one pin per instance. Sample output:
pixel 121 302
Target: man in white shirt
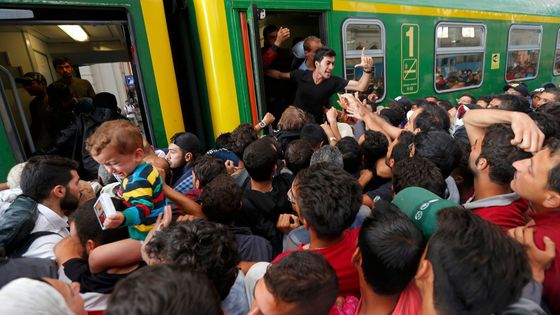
pixel 53 182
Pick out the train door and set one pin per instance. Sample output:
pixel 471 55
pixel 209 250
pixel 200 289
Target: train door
pixel 100 46
pixel 267 94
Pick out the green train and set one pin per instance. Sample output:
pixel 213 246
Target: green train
pixel 196 65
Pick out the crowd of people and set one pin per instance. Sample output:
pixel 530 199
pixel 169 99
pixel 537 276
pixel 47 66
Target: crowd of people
pixel 419 207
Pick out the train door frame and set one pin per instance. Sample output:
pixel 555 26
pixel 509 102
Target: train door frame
pixel 55 18
pixel 246 48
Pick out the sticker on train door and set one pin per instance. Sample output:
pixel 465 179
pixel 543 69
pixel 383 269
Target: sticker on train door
pixel 410 47
pixel 495 61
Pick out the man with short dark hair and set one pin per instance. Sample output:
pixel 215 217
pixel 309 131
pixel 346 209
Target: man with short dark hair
pixel 418 172
pixel 550 95
pixel 302 283
pixel 490 160
pixel 327 200
pixel 509 102
pixel 52 181
pixel 316 87
pixel 467 265
pixel 298 155
pixel 36 85
pixel 385 274
pixel 184 149
pixel 79 87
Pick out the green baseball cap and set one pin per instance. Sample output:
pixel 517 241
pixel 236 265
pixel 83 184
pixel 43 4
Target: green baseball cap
pixel 422 206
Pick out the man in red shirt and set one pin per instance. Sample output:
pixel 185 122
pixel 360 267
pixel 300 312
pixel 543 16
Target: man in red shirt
pixel 490 161
pixel 327 199
pixel 538 180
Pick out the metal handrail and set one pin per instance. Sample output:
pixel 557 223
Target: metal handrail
pixel 19 107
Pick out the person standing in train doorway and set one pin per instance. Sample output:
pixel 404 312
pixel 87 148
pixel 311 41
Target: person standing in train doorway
pixel 315 88
pixel 79 87
pixel 36 85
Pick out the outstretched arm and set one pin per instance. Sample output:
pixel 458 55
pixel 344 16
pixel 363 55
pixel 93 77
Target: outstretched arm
pixel 275 74
pixel 362 85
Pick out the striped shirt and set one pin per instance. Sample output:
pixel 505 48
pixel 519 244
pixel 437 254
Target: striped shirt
pixel 142 193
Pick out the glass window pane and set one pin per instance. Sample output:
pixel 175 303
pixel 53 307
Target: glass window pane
pixel 359 36
pixel 524 37
pixel 460 36
pixel 377 80
pixel 557 62
pixel 458 71
pixel 522 64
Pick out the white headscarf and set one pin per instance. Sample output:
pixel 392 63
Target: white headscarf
pixel 26 296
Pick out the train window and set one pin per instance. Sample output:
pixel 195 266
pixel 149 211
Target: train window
pixel 557 55
pixel 459 54
pixel 524 47
pixel 369 34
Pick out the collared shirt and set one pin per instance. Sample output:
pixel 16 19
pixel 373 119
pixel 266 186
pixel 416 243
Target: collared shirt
pixel 185 184
pixel 47 220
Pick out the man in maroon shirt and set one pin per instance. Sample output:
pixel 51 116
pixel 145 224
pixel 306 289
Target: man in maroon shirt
pixel 538 180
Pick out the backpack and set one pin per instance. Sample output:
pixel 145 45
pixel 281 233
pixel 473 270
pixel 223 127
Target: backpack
pixel 11 269
pixel 16 224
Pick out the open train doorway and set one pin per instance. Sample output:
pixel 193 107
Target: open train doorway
pixel 268 52
pixel 97 47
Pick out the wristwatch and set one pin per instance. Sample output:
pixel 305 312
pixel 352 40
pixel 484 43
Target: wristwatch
pixel 262 124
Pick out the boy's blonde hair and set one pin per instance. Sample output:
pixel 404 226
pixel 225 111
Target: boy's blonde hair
pixel 121 134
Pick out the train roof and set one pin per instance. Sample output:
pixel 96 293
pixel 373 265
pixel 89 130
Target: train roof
pixel 524 7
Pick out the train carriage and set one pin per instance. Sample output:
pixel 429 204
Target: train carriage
pixel 196 65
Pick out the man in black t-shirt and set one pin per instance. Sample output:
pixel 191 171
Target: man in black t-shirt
pixel 314 88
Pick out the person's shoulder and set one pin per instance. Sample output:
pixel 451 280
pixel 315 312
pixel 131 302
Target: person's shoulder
pixel 297 74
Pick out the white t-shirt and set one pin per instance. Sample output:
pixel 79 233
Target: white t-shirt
pixel 47 220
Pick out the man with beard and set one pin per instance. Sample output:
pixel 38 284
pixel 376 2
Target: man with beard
pixel 52 181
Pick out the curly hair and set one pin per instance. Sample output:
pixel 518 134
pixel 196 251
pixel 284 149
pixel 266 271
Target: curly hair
pixel 241 137
pixel 328 198
pixel 202 246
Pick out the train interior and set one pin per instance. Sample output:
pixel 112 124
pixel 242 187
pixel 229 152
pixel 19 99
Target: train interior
pixel 96 43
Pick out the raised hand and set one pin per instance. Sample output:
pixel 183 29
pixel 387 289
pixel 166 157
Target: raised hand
pixel 281 36
pixel 366 62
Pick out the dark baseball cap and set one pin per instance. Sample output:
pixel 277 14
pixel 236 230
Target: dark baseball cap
pixel 519 87
pixel 30 76
pixel 187 141
pixel 404 102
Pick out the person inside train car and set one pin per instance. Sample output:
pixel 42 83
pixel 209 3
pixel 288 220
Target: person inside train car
pixel 549 96
pixel 314 88
pixel 265 200
pixel 515 88
pixel 310 46
pixel 386 275
pixel 467 264
pixel 300 283
pixel 273 37
pixel 184 149
pixel 36 85
pixel 65 70
pixel 490 160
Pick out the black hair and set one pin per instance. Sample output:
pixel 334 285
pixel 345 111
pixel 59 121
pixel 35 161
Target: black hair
pixel 260 158
pixel 473 99
pixel 328 198
pixel 440 148
pixel 351 154
pixel 432 117
pixel 106 100
pixel 187 142
pixel 486 98
pixel 445 104
pixel 42 173
pixel 221 200
pixel 391 247
pixel 550 108
pixel 298 155
pixel 61 61
pixel 164 289
pixel 401 150
pixel 314 134
pixel 201 246
pixel 512 102
pixel 547 123
pixel 305 279
pixel 472 262
pixel 88 226
pixel 322 53
pixel 328 154
pixel 58 92
pixel 269 29
pixel 418 172
pixel 241 137
pixel 374 147
pixel 392 116
pixel 206 168
pixel 555 92
pixel 553 183
pixel 497 149
pixel 224 141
